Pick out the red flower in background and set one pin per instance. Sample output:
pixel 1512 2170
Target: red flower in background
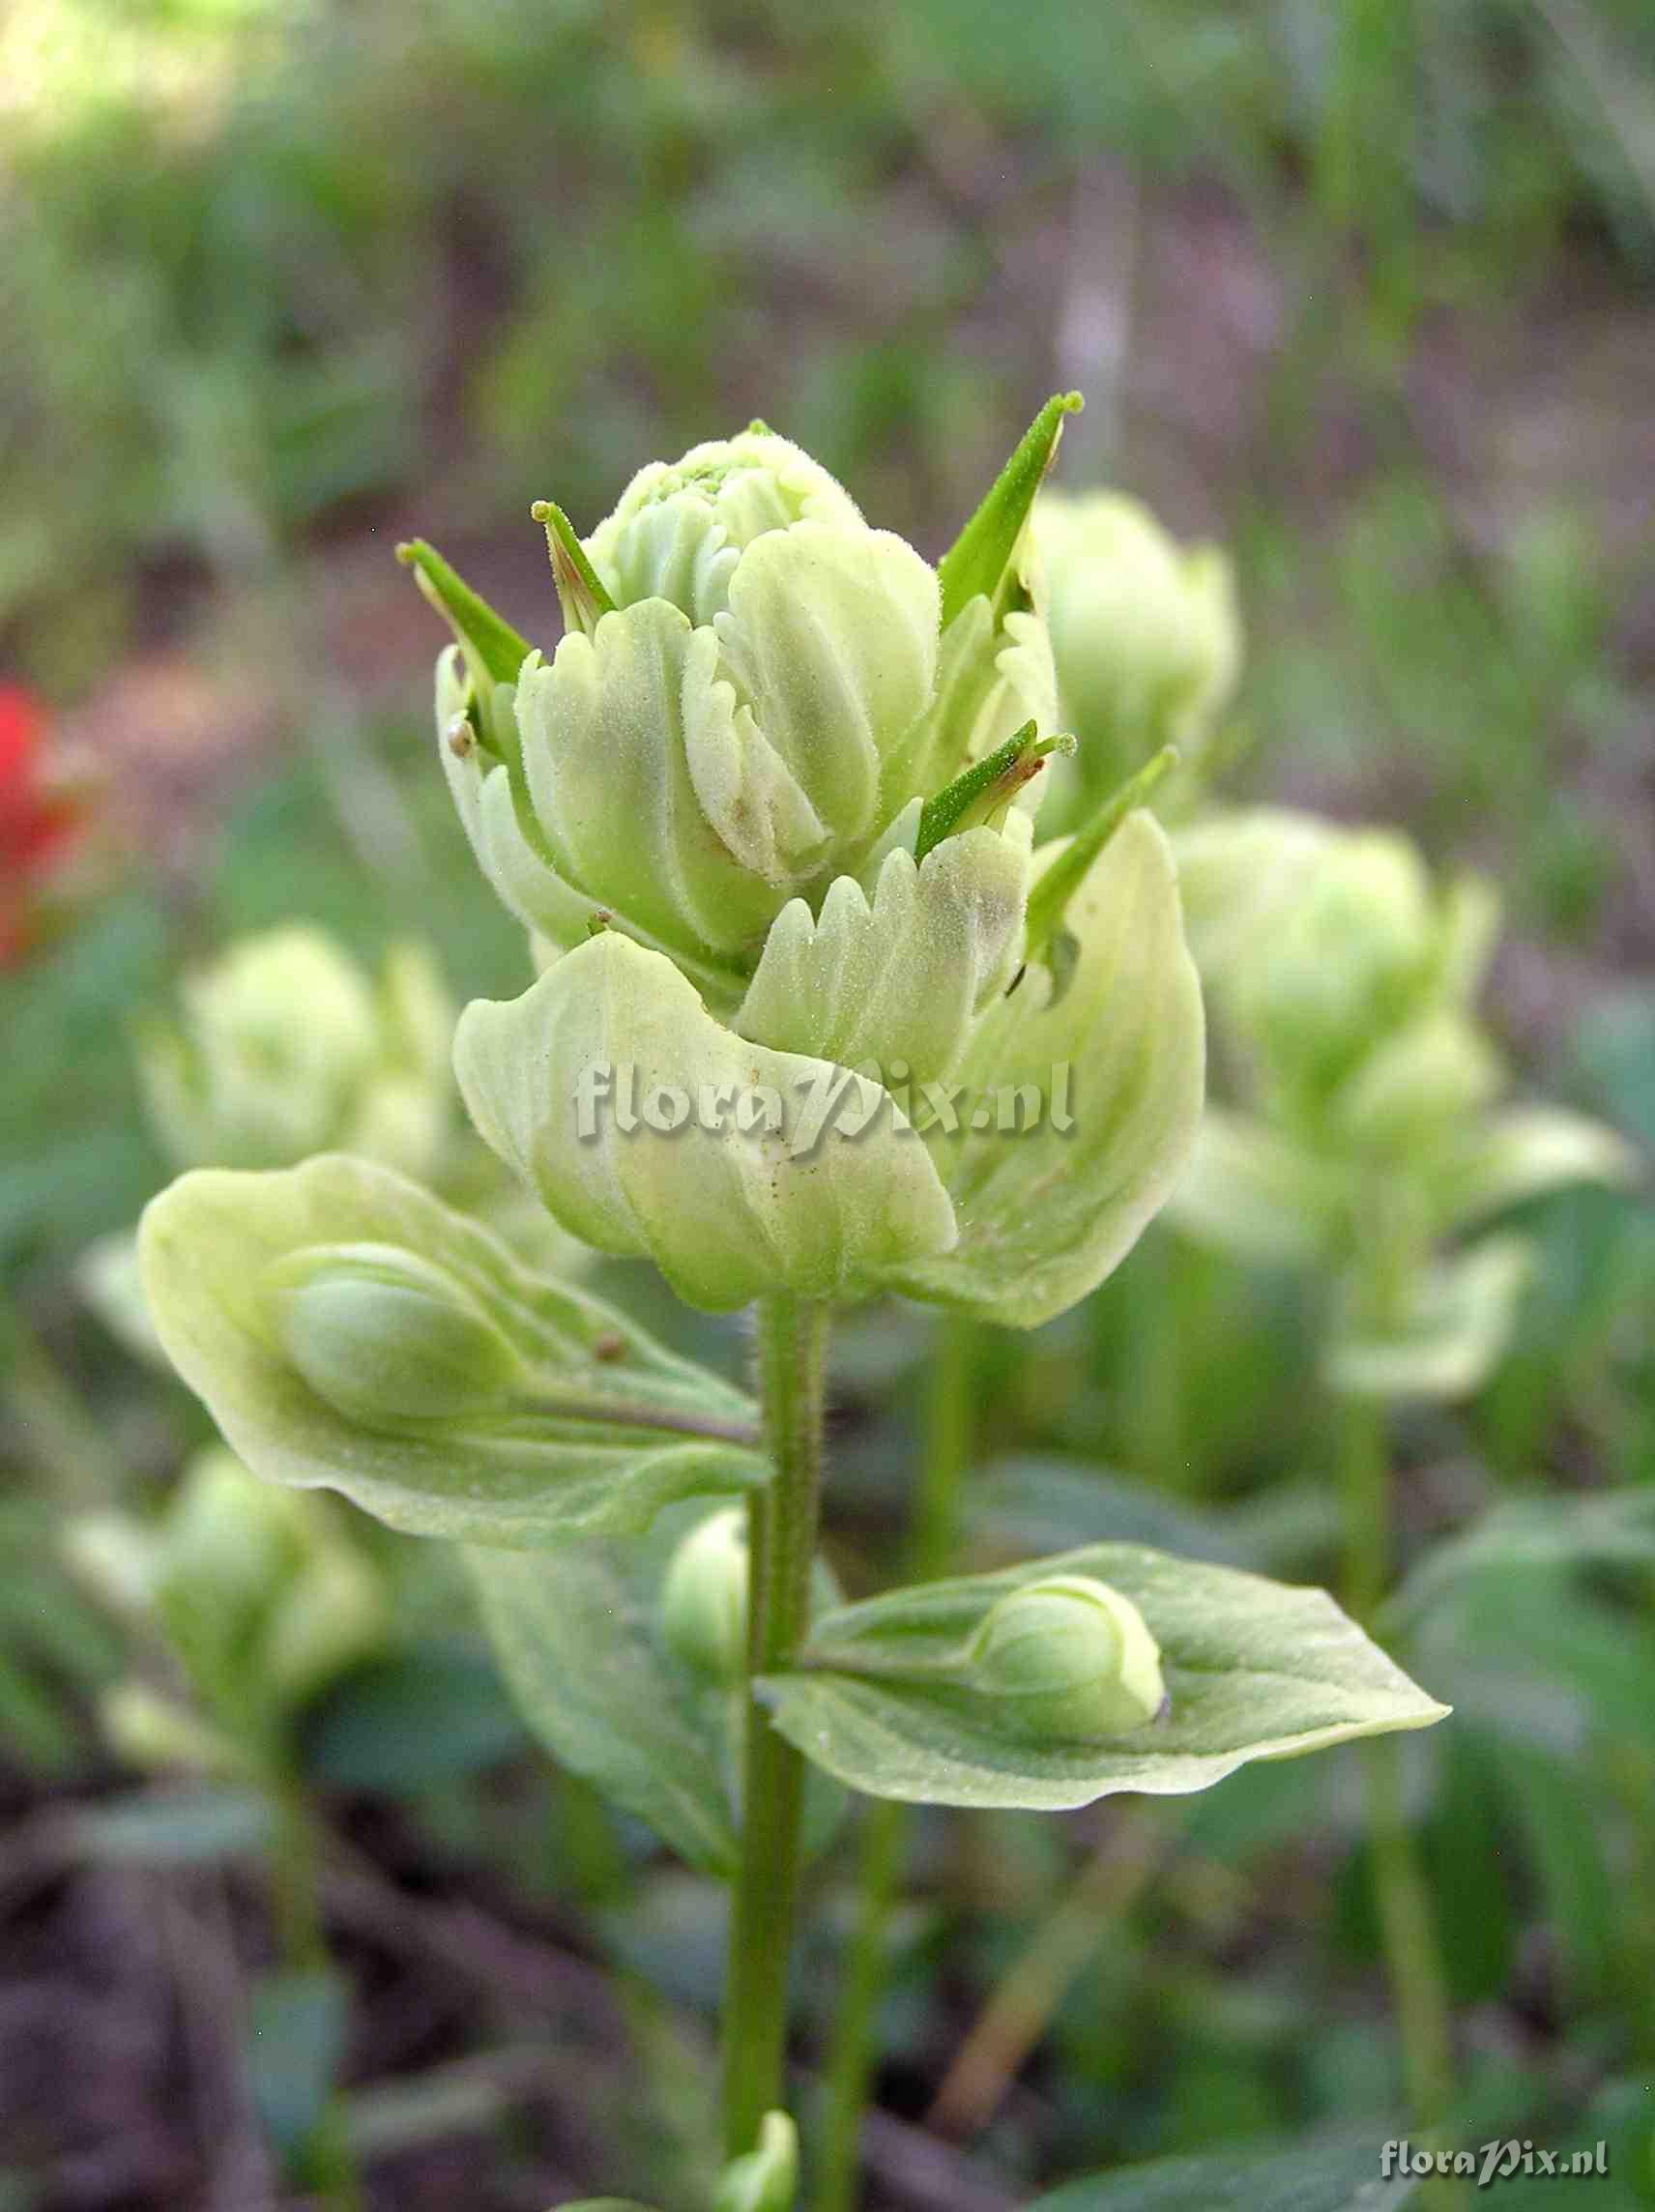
pixel 34 822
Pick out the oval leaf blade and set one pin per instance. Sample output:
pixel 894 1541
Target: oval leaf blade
pixel 617 1429
pixel 1253 1669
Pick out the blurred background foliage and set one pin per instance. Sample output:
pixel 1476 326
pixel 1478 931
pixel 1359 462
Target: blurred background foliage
pixel 1360 288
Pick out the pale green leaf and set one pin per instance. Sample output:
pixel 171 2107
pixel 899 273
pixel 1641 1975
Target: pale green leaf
pixel 1253 1669
pixel 1250 1191
pixel 1328 2173
pixel 613 1428
pixel 1615 1526
pixel 1452 1336
pixel 1522 1153
pixel 582 1658
pixel 1116 1066
pixel 579 1639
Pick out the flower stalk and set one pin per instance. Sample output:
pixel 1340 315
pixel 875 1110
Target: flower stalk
pixel 949 1432
pixel 792 1355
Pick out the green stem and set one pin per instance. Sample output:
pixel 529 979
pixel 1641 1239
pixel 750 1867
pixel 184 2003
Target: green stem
pixel 327 2163
pixel 1413 1962
pixel 948 1446
pixel 782 1518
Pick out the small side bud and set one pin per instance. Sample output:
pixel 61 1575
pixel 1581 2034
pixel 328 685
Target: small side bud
pixel 384 1335
pixel 704 1597
pixel 152 1732
pixel 765 2178
pixel 1070 1659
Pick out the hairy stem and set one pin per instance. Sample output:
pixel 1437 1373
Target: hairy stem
pixel 948 1453
pixel 782 1518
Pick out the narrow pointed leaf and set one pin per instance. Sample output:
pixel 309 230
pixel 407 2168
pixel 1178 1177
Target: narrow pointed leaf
pixel 484 634
pixel 1253 1669
pixel 601 1429
pixel 980 558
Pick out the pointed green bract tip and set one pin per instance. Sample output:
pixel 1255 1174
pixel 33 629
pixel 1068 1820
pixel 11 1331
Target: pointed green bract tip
pixel 976 794
pixel 493 649
pixel 581 592
pixel 981 559
pixel 1052 894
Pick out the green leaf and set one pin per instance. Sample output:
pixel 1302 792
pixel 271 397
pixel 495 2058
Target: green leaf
pixel 431 1714
pixel 1033 1503
pixel 191 1827
pixel 608 2204
pixel 579 1641
pixel 577 1648
pixel 1253 1669
pixel 1046 1211
pixel 1451 1338
pixel 1253 1192
pixel 1614 1527
pixel 981 557
pixel 610 1429
pixel 1521 1154
pixel 295 2040
pixel 1328 2173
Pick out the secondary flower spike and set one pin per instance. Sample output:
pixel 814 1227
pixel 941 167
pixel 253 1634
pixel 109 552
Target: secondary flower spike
pixel 769 807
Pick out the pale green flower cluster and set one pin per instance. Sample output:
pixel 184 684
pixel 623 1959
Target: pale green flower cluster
pixel 284 1046
pixel 1146 634
pixel 1375 1114
pixel 260 1594
pixel 768 808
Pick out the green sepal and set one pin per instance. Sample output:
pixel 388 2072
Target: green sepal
pixel 1253 1669
pixel 492 647
pixel 988 785
pixel 581 592
pixel 604 1429
pixel 1049 898
pixel 982 559
pixel 494 656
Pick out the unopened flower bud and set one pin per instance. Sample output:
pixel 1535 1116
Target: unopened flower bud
pixel 1068 1660
pixel 704 1597
pixel 1143 631
pixel 765 2178
pixel 384 1335
pixel 286 1046
pixel 155 1733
